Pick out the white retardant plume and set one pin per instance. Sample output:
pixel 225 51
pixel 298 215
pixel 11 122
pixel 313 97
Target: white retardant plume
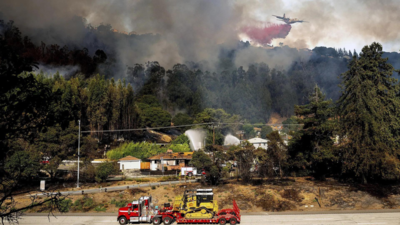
pixel 231 140
pixel 197 138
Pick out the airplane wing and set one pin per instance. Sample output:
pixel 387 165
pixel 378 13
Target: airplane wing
pixel 298 21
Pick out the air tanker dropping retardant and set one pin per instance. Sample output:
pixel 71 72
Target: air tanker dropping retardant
pixel 289 21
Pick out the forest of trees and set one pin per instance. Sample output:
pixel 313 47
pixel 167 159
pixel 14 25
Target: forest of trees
pixel 354 139
pixel 254 91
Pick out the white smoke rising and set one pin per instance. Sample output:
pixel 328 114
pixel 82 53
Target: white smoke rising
pixel 66 71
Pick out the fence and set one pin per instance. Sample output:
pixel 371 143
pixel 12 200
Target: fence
pixel 145 165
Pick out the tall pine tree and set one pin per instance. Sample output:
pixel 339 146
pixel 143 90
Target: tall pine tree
pixel 312 147
pixel 368 117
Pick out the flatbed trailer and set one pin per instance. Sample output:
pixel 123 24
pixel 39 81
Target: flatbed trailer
pixel 224 216
pixel 215 220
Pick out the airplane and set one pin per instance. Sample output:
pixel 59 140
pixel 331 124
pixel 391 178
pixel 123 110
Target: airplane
pixel 287 20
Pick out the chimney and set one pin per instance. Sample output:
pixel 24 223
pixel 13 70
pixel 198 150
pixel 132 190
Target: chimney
pixel 170 151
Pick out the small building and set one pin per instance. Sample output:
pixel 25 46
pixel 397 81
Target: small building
pixel 259 143
pixel 129 163
pixel 170 160
pixel 97 162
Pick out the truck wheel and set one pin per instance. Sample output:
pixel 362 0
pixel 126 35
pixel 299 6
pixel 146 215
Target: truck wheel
pixel 122 220
pixel 233 221
pixel 222 221
pixel 167 220
pixel 157 220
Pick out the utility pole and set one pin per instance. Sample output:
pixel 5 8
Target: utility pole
pixel 79 144
pixel 213 134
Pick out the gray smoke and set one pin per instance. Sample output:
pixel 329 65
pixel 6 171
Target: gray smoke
pixel 177 31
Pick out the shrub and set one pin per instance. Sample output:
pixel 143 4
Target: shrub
pixel 100 208
pixel 121 203
pixel 84 204
pixel 142 150
pixel 88 204
pixel 89 173
pixel 78 205
pixel 153 187
pixel 113 201
pixel 65 205
pixel 104 170
pixel 141 180
pixel 292 194
pixel 225 171
pixel 169 178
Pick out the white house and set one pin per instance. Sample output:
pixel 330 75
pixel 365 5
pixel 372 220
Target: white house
pixel 259 143
pixel 129 163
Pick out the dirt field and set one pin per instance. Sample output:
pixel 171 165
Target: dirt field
pixel 299 194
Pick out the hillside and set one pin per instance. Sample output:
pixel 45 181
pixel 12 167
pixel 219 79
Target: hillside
pixel 293 194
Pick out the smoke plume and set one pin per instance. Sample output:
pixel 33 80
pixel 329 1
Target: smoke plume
pixel 66 71
pixel 177 31
pixel 266 34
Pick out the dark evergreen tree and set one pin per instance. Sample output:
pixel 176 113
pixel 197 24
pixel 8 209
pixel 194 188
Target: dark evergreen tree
pixel 355 53
pixel 368 117
pixel 345 52
pixel 340 53
pixel 312 147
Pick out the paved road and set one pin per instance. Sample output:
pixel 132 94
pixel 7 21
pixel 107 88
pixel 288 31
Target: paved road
pixel 301 219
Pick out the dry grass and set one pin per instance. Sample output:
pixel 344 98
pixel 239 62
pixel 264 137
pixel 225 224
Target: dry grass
pixel 293 195
pixel 265 196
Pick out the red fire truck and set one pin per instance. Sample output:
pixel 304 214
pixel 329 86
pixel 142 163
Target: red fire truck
pixel 143 211
pixel 137 211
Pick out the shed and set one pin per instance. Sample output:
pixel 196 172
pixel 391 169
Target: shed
pixel 129 163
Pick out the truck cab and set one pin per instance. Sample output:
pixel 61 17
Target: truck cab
pixel 137 211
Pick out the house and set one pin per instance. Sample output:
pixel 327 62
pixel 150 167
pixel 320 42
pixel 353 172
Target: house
pixel 129 163
pixel 259 143
pixel 170 160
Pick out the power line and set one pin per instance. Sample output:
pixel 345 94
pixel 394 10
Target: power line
pixel 187 125
pixel 147 128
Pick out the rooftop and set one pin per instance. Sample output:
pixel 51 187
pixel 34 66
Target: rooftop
pixel 128 158
pixel 257 140
pixel 102 160
pixel 176 155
